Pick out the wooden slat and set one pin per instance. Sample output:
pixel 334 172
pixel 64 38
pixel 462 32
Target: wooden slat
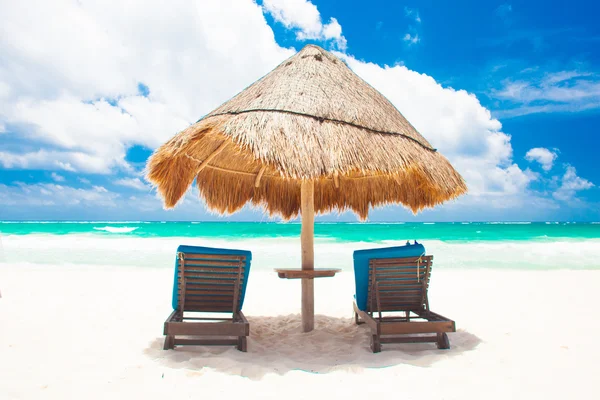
pixel 209 292
pixel 200 300
pixel 387 277
pixel 404 292
pixel 399 306
pixel 197 277
pixel 416 327
pixel 389 265
pixel 201 265
pixel 210 281
pixel 212 263
pixel 409 339
pixel 222 300
pixel 403 281
pixel 412 283
pixel 390 308
pixel 200 269
pixel 206 329
pixel 192 275
pixel 219 288
pixel 402 305
pixel 403 270
pixel 195 303
pixel 289 273
pixel 201 342
pixel 437 317
pixel 401 260
pixel 386 263
pixel 393 296
pixel 192 256
pixel 209 308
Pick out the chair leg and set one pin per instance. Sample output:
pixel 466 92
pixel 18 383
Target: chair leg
pixel 375 344
pixel 443 342
pixel 242 344
pixel 169 342
pixel 357 320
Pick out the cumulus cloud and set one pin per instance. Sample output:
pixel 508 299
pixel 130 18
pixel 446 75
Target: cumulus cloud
pixel 72 83
pixel 57 178
pixel 463 130
pixel 134 183
pixel 305 18
pixel 83 105
pixel 543 156
pixel 570 184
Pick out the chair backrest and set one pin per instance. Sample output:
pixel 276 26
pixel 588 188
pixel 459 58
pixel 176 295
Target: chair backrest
pixel 210 280
pixel 362 259
pixel 402 284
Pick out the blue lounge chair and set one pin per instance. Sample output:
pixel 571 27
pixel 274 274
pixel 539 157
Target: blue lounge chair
pixel 392 280
pixel 208 280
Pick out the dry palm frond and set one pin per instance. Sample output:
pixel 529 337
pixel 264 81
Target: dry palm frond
pixel 310 118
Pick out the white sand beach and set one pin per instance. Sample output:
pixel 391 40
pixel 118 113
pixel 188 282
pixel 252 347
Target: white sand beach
pixel 95 332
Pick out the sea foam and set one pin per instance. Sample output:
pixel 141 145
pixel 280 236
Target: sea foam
pixel 284 252
pixel 115 229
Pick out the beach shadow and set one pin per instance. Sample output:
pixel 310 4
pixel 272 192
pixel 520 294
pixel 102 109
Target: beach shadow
pixel 277 345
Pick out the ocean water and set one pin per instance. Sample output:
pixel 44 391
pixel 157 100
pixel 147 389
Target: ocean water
pixel 152 244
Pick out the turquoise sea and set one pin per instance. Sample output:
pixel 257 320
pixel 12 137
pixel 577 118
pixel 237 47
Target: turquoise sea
pixel 343 232
pixel 524 246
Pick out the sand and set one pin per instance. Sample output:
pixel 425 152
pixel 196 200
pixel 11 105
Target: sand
pixel 95 332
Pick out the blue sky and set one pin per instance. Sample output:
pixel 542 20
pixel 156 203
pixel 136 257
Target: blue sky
pixel 508 91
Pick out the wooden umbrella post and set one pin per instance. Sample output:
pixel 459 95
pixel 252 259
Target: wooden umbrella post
pixel 307 200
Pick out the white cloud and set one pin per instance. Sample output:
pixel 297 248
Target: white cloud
pixel 74 93
pixel 134 183
pixel 49 194
pixel 57 177
pixel 411 39
pixel 412 13
pixel 304 16
pixel 84 181
pixel 72 80
pixel 60 160
pixel 570 185
pixel 543 156
pixel 100 189
pixel 462 129
pixel 562 91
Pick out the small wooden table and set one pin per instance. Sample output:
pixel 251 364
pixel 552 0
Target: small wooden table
pixel 297 273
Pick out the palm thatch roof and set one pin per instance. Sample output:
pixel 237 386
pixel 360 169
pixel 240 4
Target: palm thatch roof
pixel 311 118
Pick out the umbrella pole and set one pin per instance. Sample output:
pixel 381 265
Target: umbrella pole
pixel 307 208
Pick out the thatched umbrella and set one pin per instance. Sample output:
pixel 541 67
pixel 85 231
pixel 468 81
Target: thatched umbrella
pixel 309 136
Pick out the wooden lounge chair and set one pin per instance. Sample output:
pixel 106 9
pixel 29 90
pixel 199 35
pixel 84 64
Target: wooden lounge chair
pixel 208 280
pixel 398 285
